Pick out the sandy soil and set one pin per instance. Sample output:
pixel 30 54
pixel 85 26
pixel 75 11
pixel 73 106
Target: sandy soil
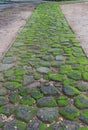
pixel 77 16
pixel 11 22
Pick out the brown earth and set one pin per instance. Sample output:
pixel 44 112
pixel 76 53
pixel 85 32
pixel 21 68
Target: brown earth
pixel 11 22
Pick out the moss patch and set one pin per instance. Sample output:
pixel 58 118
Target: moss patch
pixel 81 101
pixel 62 101
pixel 70 112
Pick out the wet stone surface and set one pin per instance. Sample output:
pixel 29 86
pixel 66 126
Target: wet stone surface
pixel 44 76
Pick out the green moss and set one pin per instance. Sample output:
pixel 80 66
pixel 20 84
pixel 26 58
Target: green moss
pixel 43 127
pixel 70 113
pixel 56 77
pixel 27 101
pixel 84 116
pixel 12 85
pixel 46 64
pixel 85 113
pixel 37 76
pixel 70 90
pixel 47 102
pixel 1 124
pixel 85 76
pixel 7 110
pixel 21 125
pixel 14 97
pixel 62 101
pixel 76 75
pixel 50 128
pixel 24 91
pixel 65 69
pixel 83 128
pixel 36 94
pixel 82 87
pixel 81 101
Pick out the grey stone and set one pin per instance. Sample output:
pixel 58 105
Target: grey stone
pixel 60 58
pixel 14 125
pixel 25 113
pixel 50 90
pixel 12 85
pixel 27 79
pixel 47 102
pixel 48 58
pixel 84 116
pixel 3 91
pixel 8 60
pixel 2 101
pixel 7 110
pixel 43 70
pixel 18 44
pixel 82 87
pixel 34 125
pixel 70 91
pixel 5 66
pixel 66 125
pixel 70 112
pixel 1 78
pixel 81 101
pixel 48 114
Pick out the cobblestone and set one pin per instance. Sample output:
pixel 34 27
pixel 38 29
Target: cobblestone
pixel 41 89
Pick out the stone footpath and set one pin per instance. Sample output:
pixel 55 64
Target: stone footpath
pixel 44 76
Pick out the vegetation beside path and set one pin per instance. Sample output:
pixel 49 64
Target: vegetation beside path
pixel 44 76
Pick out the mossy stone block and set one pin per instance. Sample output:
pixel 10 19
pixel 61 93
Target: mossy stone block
pixel 82 87
pixel 3 100
pixel 70 91
pixel 85 76
pixel 84 116
pixel 70 112
pixel 56 77
pixel 47 102
pixel 12 85
pixel 14 97
pixel 25 113
pixel 14 124
pixel 36 94
pixel 62 101
pixel 3 91
pixel 81 101
pixel 7 110
pixel 76 75
pixel 27 101
pixel 48 115
pixel 23 91
pixel 50 90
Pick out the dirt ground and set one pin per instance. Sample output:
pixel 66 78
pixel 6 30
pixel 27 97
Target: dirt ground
pixel 11 22
pixel 77 16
